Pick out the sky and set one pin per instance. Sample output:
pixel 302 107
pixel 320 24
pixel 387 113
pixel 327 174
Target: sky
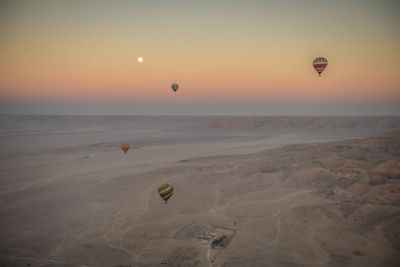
pixel 229 57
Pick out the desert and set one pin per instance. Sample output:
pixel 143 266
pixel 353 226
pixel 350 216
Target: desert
pixel 249 191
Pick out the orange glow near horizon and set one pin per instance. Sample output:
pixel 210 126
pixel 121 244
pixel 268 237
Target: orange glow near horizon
pixel 211 59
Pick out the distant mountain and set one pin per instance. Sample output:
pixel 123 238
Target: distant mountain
pixel 303 122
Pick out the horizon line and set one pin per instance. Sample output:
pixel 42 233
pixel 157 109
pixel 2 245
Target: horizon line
pixel 170 115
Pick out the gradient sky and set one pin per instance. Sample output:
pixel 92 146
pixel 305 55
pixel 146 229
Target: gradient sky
pixel 229 57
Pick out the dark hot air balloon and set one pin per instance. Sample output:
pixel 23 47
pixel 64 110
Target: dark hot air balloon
pixel 166 191
pixel 175 87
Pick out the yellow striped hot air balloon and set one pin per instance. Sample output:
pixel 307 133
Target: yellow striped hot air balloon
pixel 166 191
pixel 320 64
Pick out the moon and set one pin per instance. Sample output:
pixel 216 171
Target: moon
pixel 140 59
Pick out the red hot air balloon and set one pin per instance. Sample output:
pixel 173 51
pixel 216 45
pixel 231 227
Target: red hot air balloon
pixel 320 64
pixel 125 147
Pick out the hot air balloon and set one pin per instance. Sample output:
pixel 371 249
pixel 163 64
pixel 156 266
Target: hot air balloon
pixel 174 87
pixel 166 191
pixel 320 64
pixel 125 147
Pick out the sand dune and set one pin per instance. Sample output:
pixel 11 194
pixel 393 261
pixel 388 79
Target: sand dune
pixel 275 197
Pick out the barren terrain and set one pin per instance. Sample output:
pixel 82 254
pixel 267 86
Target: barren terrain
pixel 263 191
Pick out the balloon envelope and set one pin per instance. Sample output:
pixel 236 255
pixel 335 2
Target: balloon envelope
pixel 320 64
pixel 125 147
pixel 174 86
pixel 166 191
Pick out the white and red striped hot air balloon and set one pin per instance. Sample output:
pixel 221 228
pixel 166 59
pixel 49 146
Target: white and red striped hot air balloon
pixel 320 64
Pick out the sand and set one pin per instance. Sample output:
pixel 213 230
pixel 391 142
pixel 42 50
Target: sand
pixel 261 191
